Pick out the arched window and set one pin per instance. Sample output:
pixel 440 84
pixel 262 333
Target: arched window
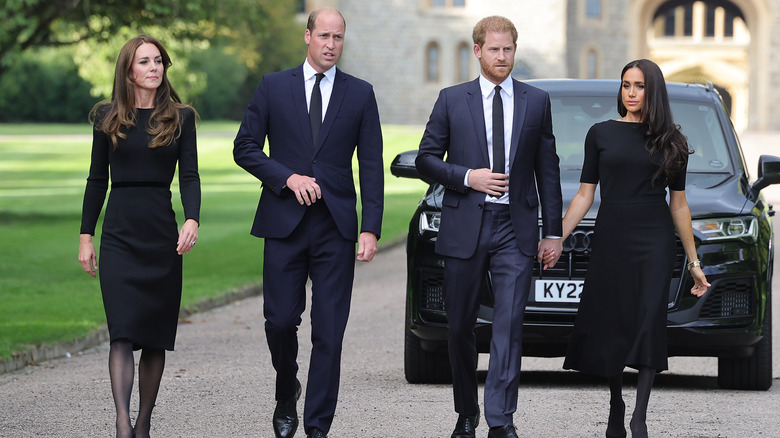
pixel 432 56
pixel 464 62
pixel 592 64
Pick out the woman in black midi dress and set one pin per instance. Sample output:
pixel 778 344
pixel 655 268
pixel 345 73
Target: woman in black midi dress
pixel 621 320
pixel 140 135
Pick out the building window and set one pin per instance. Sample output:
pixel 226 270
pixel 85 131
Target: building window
pixel 697 19
pixel 592 65
pixel 464 62
pixel 669 23
pixel 688 20
pixel 448 3
pixel 432 62
pixel 593 8
pixel 728 26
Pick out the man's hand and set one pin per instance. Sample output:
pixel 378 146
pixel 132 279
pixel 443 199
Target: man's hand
pixel 484 180
pixel 366 246
pixel 305 188
pixel 550 251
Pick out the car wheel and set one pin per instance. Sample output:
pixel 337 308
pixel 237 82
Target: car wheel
pixel 755 371
pixel 422 366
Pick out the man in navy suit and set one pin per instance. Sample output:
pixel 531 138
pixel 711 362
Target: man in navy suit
pixel 496 134
pixel 314 117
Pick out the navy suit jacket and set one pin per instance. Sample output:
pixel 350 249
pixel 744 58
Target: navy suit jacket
pixel 456 129
pixel 278 111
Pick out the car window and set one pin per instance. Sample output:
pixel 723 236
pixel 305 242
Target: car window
pixel 699 122
pixel 572 118
pixel 574 115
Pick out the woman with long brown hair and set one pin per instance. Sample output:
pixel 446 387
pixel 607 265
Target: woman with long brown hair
pixel 621 320
pixel 140 135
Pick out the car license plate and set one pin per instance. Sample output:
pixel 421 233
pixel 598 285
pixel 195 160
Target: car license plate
pixel 558 291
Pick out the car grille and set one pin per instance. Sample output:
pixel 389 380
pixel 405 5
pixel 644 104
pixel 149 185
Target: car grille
pixel 576 256
pixel 431 286
pixel 729 298
pixel 572 264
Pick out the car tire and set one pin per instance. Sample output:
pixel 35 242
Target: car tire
pixel 422 366
pixel 753 372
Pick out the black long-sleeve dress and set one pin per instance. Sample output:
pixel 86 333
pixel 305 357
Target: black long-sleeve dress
pixel 621 320
pixel 140 271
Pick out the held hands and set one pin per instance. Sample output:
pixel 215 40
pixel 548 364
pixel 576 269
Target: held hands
pixel 188 236
pixel 366 246
pixel 305 188
pixel 484 180
pixel 700 281
pixel 550 251
pixel 87 254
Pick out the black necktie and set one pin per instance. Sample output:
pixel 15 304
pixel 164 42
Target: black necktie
pixel 315 108
pixel 498 132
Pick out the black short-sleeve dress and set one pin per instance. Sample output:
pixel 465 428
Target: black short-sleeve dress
pixel 621 319
pixel 140 271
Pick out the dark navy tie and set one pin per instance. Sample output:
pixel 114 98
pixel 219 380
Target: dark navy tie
pixel 498 132
pixel 315 108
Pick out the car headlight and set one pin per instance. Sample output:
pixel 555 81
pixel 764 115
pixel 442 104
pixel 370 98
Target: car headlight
pixel 727 228
pixel 429 221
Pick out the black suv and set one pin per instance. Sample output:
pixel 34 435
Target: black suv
pixel 732 227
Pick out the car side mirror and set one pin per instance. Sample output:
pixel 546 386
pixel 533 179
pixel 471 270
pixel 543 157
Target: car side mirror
pixel 403 166
pixel 768 173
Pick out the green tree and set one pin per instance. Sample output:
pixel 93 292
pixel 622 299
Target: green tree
pixel 254 36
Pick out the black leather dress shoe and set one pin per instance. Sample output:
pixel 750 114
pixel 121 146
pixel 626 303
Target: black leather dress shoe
pixel 466 427
pixel 507 431
pixel 286 415
pixel 316 433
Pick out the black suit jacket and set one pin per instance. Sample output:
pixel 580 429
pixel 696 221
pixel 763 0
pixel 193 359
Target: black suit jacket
pixel 456 129
pixel 279 112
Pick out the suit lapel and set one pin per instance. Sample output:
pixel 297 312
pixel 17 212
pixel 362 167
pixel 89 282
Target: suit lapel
pixel 298 89
pixel 340 86
pixel 478 117
pixel 521 102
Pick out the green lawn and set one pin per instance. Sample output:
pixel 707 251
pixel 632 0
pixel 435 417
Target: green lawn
pixel 44 295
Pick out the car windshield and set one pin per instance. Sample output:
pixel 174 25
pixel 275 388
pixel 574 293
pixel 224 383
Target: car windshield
pixel 574 115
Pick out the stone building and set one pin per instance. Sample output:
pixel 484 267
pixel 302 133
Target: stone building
pixel 411 49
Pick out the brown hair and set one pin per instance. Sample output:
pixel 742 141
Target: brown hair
pixel 119 113
pixel 493 23
pixel 316 13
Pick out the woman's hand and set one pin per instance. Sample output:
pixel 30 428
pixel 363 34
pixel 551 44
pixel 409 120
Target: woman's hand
pixel 188 236
pixel 87 254
pixel 700 282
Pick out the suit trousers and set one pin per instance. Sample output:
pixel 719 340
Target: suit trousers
pixel 317 250
pixel 511 272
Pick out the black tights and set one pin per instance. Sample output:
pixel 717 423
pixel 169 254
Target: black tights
pixel 617 408
pixel 121 368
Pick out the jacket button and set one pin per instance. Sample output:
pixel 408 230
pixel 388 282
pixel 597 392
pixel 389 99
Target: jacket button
pixel 314 161
pixel 480 205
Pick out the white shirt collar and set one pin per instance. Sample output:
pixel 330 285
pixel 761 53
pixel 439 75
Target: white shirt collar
pixel 309 72
pixel 486 87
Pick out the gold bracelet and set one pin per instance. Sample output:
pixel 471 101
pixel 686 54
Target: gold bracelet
pixel 693 264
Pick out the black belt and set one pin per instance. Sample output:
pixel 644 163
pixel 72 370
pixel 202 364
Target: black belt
pixel 495 206
pixel 123 184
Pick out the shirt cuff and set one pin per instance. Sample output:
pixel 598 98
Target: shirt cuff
pixel 466 179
